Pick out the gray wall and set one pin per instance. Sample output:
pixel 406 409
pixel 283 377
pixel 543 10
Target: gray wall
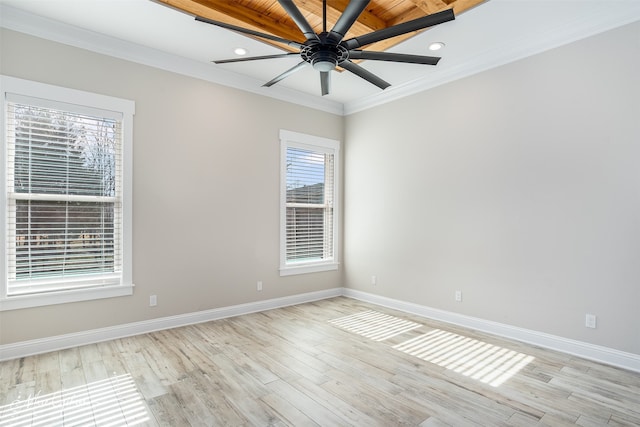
pixel 206 189
pixel 519 186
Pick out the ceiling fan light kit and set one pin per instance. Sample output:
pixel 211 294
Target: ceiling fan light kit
pixel 324 64
pixel 325 51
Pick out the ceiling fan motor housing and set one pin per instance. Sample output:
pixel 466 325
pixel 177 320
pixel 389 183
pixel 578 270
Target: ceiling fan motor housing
pixel 323 54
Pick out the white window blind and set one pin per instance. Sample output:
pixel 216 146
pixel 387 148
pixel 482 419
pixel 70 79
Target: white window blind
pixel 309 205
pixel 64 196
pixel 309 198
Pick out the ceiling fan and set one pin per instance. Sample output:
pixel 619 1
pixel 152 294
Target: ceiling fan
pixel 327 50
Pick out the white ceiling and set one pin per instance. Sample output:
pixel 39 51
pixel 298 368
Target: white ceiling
pixel 492 34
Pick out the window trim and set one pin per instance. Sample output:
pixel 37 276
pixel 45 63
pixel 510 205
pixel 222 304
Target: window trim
pixel 313 143
pixel 84 100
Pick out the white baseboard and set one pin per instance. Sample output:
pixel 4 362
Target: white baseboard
pixel 597 353
pixel 593 352
pixel 59 342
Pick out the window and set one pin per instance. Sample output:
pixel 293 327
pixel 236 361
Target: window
pixel 66 206
pixel 308 217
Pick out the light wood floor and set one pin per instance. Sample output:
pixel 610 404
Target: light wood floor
pixel 335 362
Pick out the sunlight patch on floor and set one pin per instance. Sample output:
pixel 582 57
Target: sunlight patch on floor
pixel 374 325
pixel 484 362
pixel 111 402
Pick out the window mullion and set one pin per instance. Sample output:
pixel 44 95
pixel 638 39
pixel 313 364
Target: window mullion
pixel 61 197
pixel 308 205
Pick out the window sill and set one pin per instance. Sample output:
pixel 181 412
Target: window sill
pixel 61 297
pixel 307 268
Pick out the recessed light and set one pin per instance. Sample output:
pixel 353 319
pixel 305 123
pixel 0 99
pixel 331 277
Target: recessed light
pixel 240 51
pixel 436 46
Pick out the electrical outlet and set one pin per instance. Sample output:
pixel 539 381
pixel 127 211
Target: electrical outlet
pixel 374 280
pixel 153 300
pixel 590 321
pixel 459 296
pixel 259 286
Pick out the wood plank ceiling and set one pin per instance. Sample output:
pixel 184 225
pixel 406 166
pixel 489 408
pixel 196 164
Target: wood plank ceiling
pixel 268 16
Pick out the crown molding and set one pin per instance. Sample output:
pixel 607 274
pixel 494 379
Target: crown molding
pixel 24 22
pixel 603 19
pixel 509 51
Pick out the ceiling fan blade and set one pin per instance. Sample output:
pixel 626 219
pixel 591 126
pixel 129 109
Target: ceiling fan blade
pixel 325 82
pixel 295 14
pixel 398 30
pixel 393 57
pixel 255 58
pixel 347 19
pixel 249 32
pixel 367 75
pixel 286 74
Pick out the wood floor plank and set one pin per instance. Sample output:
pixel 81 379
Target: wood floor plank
pixel 47 361
pixel 8 371
pixel 551 420
pixel 147 381
pixel 434 422
pixel 382 383
pixel 308 406
pixel 212 395
pixel 387 409
pixel 277 367
pixel 238 380
pixel 350 365
pixel 162 360
pixel 73 378
pixel 16 402
pixel 623 420
pixel 303 368
pixel 438 399
pixel 48 381
pixel 519 419
pixel 340 407
pixel 25 371
pixel 595 420
pixel 246 360
pixel 175 349
pixel 287 411
pixel 243 392
pixel 90 353
pixel 299 366
pixel 194 410
pixel 167 411
pixel 70 359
